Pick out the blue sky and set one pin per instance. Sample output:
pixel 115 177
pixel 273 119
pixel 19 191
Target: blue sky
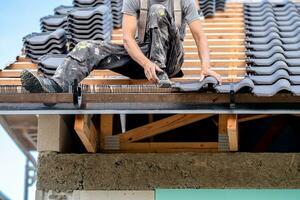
pixel 17 19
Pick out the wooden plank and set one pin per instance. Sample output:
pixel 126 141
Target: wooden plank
pixel 212 30
pixel 20 65
pixel 87 132
pixel 106 128
pixel 210 42
pixel 217 55
pixel 246 118
pixel 157 127
pixel 166 147
pixel 218 48
pixel 190 36
pixel 233 132
pixel 223 142
pixel 215 63
pixel 111 80
pixel 96 73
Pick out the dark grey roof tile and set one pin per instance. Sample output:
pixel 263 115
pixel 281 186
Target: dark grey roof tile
pixel 273 36
pixel 270 19
pixel 88 13
pixel 54 20
pixel 206 84
pixel 271 60
pixel 63 10
pixel 270 10
pixel 272 51
pixel 43 38
pixel 271 25
pixel 270 79
pixel 275 42
pixel 90 24
pixel 269 70
pixel 52 62
pixel 244 85
pixel 270 14
pixel 95 29
pixel 95 36
pixel 271 90
pixel 51 43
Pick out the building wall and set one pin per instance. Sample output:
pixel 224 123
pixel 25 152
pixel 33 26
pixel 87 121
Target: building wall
pixel 65 172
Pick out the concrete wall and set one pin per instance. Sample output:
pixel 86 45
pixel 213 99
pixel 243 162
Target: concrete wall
pixel 64 172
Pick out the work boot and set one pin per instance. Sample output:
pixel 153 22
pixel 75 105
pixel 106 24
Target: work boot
pixel 39 84
pixel 164 81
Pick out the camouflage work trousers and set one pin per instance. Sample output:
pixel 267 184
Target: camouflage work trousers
pixel 162 46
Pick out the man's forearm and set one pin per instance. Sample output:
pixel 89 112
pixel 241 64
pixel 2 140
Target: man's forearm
pixel 203 51
pixel 135 52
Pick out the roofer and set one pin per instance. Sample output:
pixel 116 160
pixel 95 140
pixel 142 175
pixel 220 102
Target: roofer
pixel 156 53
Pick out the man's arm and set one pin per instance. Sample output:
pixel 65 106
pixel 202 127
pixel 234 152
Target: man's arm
pixel 131 46
pixel 203 49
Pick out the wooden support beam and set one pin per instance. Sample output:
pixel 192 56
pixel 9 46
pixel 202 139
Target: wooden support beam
pixel 160 126
pixel 106 128
pixel 166 147
pixel 223 141
pixel 246 118
pixel 87 132
pixel 233 132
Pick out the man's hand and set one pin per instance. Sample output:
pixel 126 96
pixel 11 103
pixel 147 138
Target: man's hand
pixel 150 72
pixel 209 72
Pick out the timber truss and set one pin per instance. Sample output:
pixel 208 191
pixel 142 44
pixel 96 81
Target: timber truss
pixel 103 139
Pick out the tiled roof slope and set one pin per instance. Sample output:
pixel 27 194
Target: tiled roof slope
pixel 225 32
pixel 273 49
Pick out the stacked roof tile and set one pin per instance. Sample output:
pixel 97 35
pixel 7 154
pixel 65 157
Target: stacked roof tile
pixel 116 7
pixel 39 44
pixel 48 64
pixel 220 5
pixel 53 22
pixel 63 10
pixel 90 3
pixel 88 20
pixel 273 49
pixel 208 7
pixel 90 23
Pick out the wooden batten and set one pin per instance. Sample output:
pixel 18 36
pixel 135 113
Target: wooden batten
pixel 165 147
pixel 87 132
pixel 233 132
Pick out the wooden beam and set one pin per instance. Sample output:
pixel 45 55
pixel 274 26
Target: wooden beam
pixel 160 126
pixel 246 118
pixel 233 132
pixel 164 147
pixel 87 132
pixel 223 141
pixel 106 128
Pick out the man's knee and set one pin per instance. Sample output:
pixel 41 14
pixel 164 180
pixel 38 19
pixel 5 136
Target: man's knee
pixel 158 10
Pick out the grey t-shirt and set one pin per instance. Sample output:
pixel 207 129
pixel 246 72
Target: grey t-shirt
pixel 189 10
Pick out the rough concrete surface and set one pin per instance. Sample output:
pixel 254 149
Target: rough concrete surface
pixel 63 172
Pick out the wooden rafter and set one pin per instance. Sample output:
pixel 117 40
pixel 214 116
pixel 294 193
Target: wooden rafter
pixel 164 125
pixel 233 132
pixel 87 132
pixel 246 118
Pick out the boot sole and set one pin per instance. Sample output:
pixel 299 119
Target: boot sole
pixel 32 83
